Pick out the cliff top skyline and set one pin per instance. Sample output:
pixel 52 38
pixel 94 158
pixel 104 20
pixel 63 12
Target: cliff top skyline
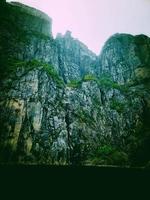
pixel 94 21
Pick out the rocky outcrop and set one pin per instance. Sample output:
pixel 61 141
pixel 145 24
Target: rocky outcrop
pixel 75 59
pixel 30 19
pixel 34 117
pixel 123 54
pixel 26 35
pixel 61 104
pixel 25 66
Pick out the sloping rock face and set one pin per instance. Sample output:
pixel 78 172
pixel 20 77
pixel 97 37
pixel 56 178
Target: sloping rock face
pixel 127 53
pixel 75 59
pixel 61 104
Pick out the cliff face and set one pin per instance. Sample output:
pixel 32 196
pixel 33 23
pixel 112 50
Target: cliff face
pixel 127 53
pixel 75 59
pixel 61 104
pixel 26 34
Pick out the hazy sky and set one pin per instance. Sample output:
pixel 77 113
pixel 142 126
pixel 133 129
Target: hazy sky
pixel 93 21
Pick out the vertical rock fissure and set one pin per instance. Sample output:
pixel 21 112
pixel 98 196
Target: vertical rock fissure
pixel 67 121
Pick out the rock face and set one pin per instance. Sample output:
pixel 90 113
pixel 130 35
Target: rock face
pixel 75 59
pixel 26 35
pixel 32 20
pixel 127 53
pixel 62 104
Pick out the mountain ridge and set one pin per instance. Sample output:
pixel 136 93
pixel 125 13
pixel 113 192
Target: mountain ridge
pixel 61 104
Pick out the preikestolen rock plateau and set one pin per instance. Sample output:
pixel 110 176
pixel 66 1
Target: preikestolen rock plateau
pixel 60 104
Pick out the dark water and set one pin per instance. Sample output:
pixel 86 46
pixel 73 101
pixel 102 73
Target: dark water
pixel 62 180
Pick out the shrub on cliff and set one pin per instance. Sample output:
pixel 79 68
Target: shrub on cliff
pixel 108 155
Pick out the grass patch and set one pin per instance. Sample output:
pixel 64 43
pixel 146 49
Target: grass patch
pixel 108 155
pixel 85 117
pixel 117 105
pixel 74 84
pixel 89 77
pixel 104 81
pixel 9 67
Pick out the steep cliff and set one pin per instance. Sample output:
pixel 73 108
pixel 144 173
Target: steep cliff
pixel 25 35
pixel 61 104
pixel 75 59
pixel 29 56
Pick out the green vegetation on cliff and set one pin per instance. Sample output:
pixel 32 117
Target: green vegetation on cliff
pixel 103 81
pixel 10 67
pixel 109 155
pixel 117 105
pixel 101 119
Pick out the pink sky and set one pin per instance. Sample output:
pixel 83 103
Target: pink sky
pixel 93 21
